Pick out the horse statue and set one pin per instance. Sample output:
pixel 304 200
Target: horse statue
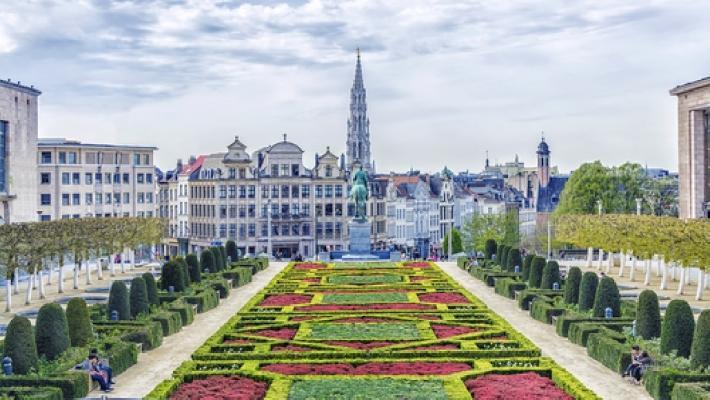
pixel 359 195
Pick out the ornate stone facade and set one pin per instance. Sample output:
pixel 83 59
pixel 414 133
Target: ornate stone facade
pixel 358 138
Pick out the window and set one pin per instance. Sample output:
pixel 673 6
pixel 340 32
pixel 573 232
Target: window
pixel 242 191
pixel 295 170
pixel 88 199
pixel 45 199
pixel 252 230
pixel 252 191
pixel 251 210
pixel 45 218
pixel 117 198
pixel 98 177
pixel 338 190
pixel 222 230
pixel 264 191
pixel 306 209
pixel 90 158
pixel 116 178
pixel 328 171
pixel 141 198
pixel 242 211
pixel 284 169
pixel 126 198
pixel 88 178
pixel 284 191
pixel 76 178
pixel 66 178
pixel 222 191
pixel 223 212
pixel 305 191
pixel 62 157
pixel 232 175
pixel 65 199
pixel 149 197
pixel 275 170
pixel 148 178
pixel 45 178
pixel 328 190
pixel 274 192
pixel 319 191
pixel 45 157
pixel 126 178
pixel 136 159
pixel 76 199
pixel 98 197
pixel 140 178
pixel 71 157
pixel 146 159
pixel 242 173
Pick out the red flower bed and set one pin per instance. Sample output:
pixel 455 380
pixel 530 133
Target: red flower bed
pixel 364 291
pixel 448 346
pixel 446 298
pixel 221 387
pixel 285 300
pixel 417 264
pixel 359 345
pixel 445 331
pixel 525 386
pixel 311 280
pixel 371 368
pixel 310 266
pixel 365 307
pixel 236 341
pixel 281 333
pixel 361 320
pixel 290 347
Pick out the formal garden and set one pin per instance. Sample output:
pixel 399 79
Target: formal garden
pixel 389 330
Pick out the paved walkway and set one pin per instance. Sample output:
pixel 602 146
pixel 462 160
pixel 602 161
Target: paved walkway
pixel 603 381
pixel 157 365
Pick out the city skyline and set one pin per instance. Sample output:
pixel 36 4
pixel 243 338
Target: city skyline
pixel 169 76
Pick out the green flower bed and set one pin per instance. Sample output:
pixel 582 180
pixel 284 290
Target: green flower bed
pixel 363 279
pixel 364 265
pixel 365 298
pixel 366 389
pixel 392 331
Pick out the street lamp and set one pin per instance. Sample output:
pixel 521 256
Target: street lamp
pixel 268 231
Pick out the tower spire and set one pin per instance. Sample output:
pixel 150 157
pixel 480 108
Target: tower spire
pixel 358 138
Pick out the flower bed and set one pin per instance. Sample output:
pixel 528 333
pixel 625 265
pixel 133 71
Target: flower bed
pixel 368 307
pixel 380 389
pixel 285 300
pixel 282 333
pixel 365 298
pixel 310 266
pixel 525 386
pixel 446 331
pixel 371 368
pixel 363 279
pixel 359 345
pixel 446 298
pixel 359 331
pixel 221 387
pixel 417 264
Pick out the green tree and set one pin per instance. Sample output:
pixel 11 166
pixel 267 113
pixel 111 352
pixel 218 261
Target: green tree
pixel 185 271
pixel 193 265
pixel 503 260
pixel 79 321
pixel 151 288
pixel 572 282
pixel 207 261
pixel 677 328
pixel 536 267
pixel 218 262
pixel 527 262
pixel 232 250
pixel 490 248
pixel 700 351
pixel 20 345
pixel 173 275
pixel 587 184
pixel 588 290
pixel 52 331
pixel 607 296
pixel 550 275
pixel 514 259
pixel 648 315
pixel 455 242
pixel 118 300
pixel 139 297
pixel 481 227
pixel 225 260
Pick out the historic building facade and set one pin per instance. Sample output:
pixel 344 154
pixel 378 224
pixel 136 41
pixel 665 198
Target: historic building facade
pixel 694 148
pixel 18 149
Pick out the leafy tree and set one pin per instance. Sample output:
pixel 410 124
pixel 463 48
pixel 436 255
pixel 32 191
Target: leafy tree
pixel 607 296
pixel 700 351
pixel 502 228
pixel 550 275
pixel 151 289
pixel 677 328
pixel 490 248
pixel 588 290
pixel 536 267
pixel 648 315
pixel 118 300
pixel 52 331
pixel 193 266
pixel 455 242
pixel 526 266
pixel 207 261
pixel 514 259
pixel 572 282
pixel 139 297
pixel 20 345
pixel 587 184
pixel 232 250
pixel 79 321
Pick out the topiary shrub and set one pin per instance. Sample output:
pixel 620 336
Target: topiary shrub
pixel 20 345
pixel 79 321
pixel 587 291
pixel 232 250
pixel 139 297
pixel 677 329
pixel 185 271
pixel 490 249
pixel 151 288
pixel 173 275
pixel 118 300
pixel 536 267
pixel 514 260
pixel 550 275
pixel 572 281
pixel 218 262
pixel 526 266
pixel 207 261
pixel 503 261
pixel 648 315
pixel 193 267
pixel 607 296
pixel 51 331
pixel 225 260
pixel 700 350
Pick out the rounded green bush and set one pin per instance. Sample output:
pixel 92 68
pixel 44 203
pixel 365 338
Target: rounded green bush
pixel 232 250
pixel 207 261
pixel 677 328
pixel 193 266
pixel 118 300
pixel 139 297
pixel 20 345
pixel 218 262
pixel 51 331
pixel 588 290
pixel 526 266
pixel 607 296
pixel 700 351
pixel 152 288
pixel 648 315
pixel 536 267
pixel 490 249
pixel 514 259
pixel 550 275
pixel 79 321
pixel 185 271
pixel 574 278
pixel 173 275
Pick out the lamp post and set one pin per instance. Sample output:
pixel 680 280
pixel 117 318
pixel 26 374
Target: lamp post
pixel 315 233
pixel 268 231
pixel 549 238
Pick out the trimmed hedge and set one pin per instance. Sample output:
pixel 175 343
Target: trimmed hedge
pixel 543 309
pixel 20 345
pixel 151 288
pixel 205 300
pixel 187 315
pixel 678 327
pixel 648 315
pixel 173 275
pixel 587 291
pixel 609 351
pixel 240 276
pixel 218 261
pixel 118 300
pixel 79 322
pixel 207 261
pixel 193 266
pixel 490 249
pixel 691 391
pixel 526 266
pixel 514 260
pixel 536 267
pixel 659 383
pixel 31 393
pixel 185 274
pixel 72 384
pixel 51 331
pixel 138 297
pixel 221 285
pixel 607 296
pixel 550 275
pixel 508 286
pixel 170 322
pixel 572 282
pixel 700 350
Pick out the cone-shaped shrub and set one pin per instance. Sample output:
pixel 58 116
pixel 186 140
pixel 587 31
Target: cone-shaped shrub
pixel 207 261
pixel 490 249
pixel 218 262
pixel 550 275
pixel 51 331
pixel 139 297
pixel 648 315
pixel 700 351
pixel 173 275
pixel 574 278
pixel 677 329
pixel 151 288
pixel 185 271
pixel 514 259
pixel 536 267
pixel 588 290
pixel 80 330
pixel 526 266
pixel 607 296
pixel 20 345
pixel 231 249
pixel 504 256
pixel 499 253
pixel 225 260
pixel 118 300
pixel 193 266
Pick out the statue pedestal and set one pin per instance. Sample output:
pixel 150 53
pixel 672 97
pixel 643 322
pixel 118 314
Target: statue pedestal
pixel 359 237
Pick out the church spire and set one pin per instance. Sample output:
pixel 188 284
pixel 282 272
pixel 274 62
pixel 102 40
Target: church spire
pixel 357 82
pixel 358 138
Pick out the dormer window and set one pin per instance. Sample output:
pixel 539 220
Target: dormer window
pixel 328 171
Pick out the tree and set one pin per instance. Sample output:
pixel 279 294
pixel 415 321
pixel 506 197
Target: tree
pixel 52 331
pixel 527 262
pixel 482 227
pixel 118 300
pixel 588 184
pixel 700 351
pixel 648 315
pixel 677 328
pixel 151 288
pixel 20 345
pixel 223 254
pixel 572 282
pixel 79 321
pixel 607 296
pixel 536 267
pixel 503 261
pixel 173 275
pixel 185 271
pixel 232 250
pixel 550 275
pixel 218 262
pixel 455 242
pixel 514 259
pixel 490 248
pixel 193 266
pixel 588 290
pixel 207 260
pixel 139 297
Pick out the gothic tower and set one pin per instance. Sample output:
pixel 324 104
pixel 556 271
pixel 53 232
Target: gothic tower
pixel 543 163
pixel 358 141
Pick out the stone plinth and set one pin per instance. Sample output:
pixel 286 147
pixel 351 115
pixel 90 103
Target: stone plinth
pixel 359 234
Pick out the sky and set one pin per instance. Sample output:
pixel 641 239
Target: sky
pixel 446 81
